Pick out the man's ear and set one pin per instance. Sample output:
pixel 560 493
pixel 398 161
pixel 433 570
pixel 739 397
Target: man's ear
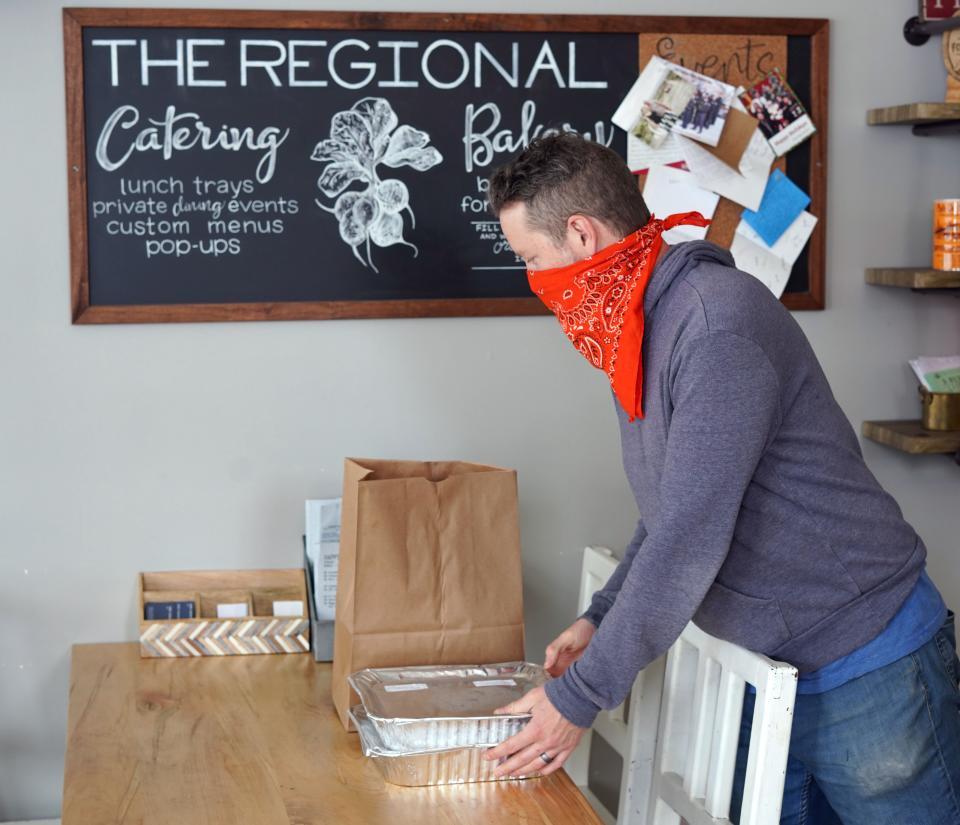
pixel 583 234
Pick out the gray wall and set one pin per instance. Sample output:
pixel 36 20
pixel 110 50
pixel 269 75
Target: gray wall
pixel 129 448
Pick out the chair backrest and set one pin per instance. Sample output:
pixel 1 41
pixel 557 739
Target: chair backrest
pixel 685 709
pixel 699 728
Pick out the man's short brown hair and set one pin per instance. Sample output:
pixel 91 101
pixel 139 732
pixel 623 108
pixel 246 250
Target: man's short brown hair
pixel 563 175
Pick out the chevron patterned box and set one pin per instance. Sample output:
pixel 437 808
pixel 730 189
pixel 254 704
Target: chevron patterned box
pixel 274 604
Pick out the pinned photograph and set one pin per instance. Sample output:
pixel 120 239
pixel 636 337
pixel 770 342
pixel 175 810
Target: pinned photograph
pixel 783 119
pixel 656 121
pixel 670 98
pixel 704 112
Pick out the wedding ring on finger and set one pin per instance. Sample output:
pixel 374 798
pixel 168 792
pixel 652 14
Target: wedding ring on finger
pixel 547 759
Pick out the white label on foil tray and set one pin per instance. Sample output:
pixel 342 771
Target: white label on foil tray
pixel 495 683
pixel 403 688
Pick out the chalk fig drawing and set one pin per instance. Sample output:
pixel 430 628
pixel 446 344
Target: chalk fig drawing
pixel 361 138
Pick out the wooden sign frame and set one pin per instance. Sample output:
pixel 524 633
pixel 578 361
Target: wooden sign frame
pixel 76 19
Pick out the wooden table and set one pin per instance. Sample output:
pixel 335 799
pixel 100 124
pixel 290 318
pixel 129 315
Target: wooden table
pixel 251 740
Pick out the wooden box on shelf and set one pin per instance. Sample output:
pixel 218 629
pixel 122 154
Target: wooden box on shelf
pixel 258 593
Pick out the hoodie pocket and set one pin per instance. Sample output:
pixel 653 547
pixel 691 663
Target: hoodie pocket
pixel 754 623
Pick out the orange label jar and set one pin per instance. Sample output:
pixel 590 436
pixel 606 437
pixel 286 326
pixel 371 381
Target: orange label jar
pixel 946 234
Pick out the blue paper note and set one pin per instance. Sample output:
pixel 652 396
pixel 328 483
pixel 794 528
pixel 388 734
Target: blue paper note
pixel 782 203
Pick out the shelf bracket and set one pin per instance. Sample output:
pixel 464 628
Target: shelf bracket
pixel 947 291
pixel 917 33
pixel 942 127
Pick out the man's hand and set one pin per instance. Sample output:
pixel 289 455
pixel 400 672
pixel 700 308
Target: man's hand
pixel 547 733
pixel 568 647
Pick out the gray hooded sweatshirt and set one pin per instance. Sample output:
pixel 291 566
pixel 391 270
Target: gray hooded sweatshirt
pixel 759 519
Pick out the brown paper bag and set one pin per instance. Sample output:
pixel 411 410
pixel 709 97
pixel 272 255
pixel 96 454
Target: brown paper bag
pixel 429 568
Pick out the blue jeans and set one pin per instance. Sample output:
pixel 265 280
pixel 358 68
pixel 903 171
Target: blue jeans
pixel 883 749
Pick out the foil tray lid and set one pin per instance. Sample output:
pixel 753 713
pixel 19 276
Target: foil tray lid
pixel 414 694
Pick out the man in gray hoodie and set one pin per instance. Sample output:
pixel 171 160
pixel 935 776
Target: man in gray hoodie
pixel 760 522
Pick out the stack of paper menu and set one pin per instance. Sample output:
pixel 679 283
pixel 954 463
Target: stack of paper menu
pixel 938 373
pixel 323 550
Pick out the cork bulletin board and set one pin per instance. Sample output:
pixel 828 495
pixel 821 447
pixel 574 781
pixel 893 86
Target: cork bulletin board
pixel 208 164
pixel 739 61
pixel 743 60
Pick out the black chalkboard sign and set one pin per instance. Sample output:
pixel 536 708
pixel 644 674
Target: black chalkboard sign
pixel 259 165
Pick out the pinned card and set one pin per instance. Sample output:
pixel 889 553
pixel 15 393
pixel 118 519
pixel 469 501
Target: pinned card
pixel 734 139
pixel 782 203
pixel 668 191
pixel 782 118
pixel 641 156
pixel 771 264
pixel 744 186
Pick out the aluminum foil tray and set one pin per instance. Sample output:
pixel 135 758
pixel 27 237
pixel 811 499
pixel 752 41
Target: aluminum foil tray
pixel 442 767
pixel 444 707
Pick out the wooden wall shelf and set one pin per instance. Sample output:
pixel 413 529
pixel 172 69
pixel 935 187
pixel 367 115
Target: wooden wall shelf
pixel 911 277
pixel 913 113
pixel 910 437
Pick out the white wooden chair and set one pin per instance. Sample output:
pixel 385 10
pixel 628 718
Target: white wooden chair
pixel 679 748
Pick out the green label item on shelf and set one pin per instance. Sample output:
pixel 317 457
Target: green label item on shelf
pixel 943 380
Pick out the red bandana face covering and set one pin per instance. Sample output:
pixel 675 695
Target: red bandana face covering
pixel 599 303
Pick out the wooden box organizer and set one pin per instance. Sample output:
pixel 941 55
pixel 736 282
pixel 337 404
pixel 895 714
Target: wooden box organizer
pixel 251 591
